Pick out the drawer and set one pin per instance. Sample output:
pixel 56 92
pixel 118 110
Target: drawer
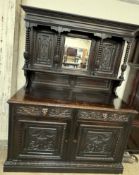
pixel 102 115
pixel 43 111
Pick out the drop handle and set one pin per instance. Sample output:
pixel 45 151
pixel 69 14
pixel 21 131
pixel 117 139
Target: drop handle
pixel 44 111
pixel 74 141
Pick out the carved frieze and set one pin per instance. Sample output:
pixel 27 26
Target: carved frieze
pixel 44 111
pixel 101 115
pixel 28 110
pixel 60 112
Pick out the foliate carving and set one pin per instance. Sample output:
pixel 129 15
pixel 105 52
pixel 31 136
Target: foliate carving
pixel 29 110
pixel 104 116
pixel 44 45
pixel 44 111
pixel 106 55
pixel 60 112
pixel 60 29
pixel 97 142
pixel 41 139
pixel 102 35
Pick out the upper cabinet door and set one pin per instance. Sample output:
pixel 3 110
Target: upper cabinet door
pixel 107 57
pixel 43 47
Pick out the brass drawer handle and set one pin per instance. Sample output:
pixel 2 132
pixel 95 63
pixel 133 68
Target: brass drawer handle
pixel 44 111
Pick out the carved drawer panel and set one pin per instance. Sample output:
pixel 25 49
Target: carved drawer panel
pixel 40 140
pixel 54 112
pixel 102 115
pixel 99 143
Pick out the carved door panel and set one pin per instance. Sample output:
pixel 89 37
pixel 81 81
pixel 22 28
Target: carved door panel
pixel 96 142
pixel 40 139
pixel 107 57
pixel 43 47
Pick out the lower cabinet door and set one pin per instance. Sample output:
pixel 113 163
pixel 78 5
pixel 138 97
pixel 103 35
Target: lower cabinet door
pixel 98 142
pixel 40 140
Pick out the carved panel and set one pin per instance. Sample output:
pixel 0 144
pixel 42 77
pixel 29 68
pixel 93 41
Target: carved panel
pixel 44 111
pixel 98 143
pixel 28 110
pixel 43 138
pixel 107 56
pixel 60 112
pixel 44 48
pixel 101 115
pixel 40 139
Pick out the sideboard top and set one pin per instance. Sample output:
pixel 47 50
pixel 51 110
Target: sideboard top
pixel 115 104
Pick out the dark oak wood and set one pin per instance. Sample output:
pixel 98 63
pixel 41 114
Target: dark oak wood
pixel 67 117
pixel 46 33
pixel 60 136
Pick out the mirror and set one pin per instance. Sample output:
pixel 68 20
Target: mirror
pixel 76 53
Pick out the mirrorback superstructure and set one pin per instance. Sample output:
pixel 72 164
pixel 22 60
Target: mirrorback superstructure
pixel 69 55
pixel 67 117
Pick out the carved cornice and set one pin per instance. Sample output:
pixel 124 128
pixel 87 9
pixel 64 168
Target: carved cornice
pixel 43 16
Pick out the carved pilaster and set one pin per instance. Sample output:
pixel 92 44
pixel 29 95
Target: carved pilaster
pixel 97 61
pixel 57 53
pixel 27 56
pixel 27 45
pixel 124 65
pixel 60 30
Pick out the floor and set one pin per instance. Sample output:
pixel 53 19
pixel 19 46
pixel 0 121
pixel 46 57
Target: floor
pixel 131 168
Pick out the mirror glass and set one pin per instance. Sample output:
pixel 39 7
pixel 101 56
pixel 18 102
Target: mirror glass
pixel 76 53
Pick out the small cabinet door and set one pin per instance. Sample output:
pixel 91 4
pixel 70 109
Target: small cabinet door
pixel 98 142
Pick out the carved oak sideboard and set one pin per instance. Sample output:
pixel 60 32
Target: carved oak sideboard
pixel 67 118
pixel 56 136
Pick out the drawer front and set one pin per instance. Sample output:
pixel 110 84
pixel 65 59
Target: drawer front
pixel 102 116
pixel 43 111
